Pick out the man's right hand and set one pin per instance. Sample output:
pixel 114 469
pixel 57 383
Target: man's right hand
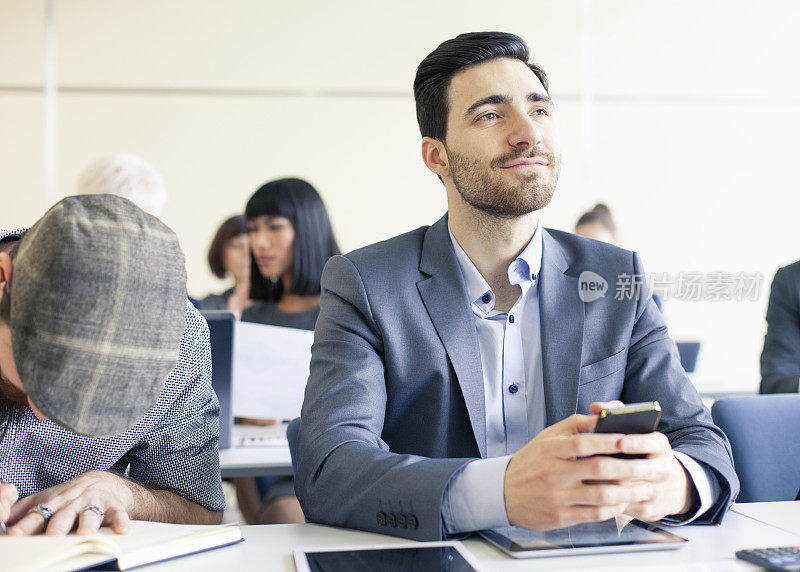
pixel 555 481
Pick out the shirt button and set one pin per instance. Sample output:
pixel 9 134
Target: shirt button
pixel 513 388
pixel 486 298
pixel 511 319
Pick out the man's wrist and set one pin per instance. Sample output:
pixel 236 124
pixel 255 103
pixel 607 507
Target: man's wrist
pixel 132 490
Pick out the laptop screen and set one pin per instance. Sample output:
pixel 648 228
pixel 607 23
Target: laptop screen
pixel 220 325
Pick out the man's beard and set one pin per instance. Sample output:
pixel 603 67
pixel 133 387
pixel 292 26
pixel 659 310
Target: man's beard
pixel 486 191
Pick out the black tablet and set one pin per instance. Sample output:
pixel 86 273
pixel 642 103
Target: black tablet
pixel 401 557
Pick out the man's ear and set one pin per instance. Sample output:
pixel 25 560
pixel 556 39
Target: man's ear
pixel 6 268
pixel 435 156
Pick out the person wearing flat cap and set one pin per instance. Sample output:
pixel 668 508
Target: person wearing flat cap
pixel 106 407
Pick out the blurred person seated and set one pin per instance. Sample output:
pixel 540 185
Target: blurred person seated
pixel 598 224
pixel 780 358
pixel 291 239
pixel 229 255
pixel 125 175
pixel 106 407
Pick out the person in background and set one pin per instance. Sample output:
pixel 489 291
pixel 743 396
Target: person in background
pixel 229 255
pixel 291 239
pixel 598 224
pixel 125 175
pixel 780 358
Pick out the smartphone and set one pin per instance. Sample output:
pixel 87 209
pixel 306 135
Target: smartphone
pixel 628 419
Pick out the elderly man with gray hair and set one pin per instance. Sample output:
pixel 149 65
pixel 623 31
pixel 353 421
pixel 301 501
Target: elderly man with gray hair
pixel 125 175
pixel 106 407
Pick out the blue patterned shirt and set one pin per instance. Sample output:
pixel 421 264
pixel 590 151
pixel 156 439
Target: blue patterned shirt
pixel 174 447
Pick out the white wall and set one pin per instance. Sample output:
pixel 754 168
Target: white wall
pixel 695 106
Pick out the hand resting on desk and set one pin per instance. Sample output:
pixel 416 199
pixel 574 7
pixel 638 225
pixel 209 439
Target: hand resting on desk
pixel 557 480
pixel 120 500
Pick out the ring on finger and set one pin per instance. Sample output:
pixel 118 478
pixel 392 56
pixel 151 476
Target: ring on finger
pixel 42 510
pixel 95 509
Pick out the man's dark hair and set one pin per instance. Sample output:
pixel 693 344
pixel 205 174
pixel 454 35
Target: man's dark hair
pixel 439 67
pixel 9 245
pixel 231 228
pixel 314 243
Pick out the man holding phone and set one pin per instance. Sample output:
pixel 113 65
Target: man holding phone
pixel 461 367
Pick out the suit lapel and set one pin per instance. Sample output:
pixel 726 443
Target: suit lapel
pixel 445 299
pixel 561 314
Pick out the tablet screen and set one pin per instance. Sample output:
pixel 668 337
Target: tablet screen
pixel 613 532
pixel 425 558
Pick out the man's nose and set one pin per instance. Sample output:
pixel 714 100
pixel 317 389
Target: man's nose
pixel 525 132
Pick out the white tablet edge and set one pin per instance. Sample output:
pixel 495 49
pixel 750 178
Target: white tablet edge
pixel 584 550
pixel 302 563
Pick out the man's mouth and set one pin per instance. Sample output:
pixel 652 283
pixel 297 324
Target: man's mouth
pixel 526 163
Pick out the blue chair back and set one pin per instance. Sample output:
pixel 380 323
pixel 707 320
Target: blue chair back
pixel 291 435
pixel 764 431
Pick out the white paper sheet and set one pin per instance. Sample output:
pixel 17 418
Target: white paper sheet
pixel 270 370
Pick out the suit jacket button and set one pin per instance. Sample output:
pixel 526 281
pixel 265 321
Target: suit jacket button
pixel 401 520
pixel 412 522
pixel 391 520
pixel 381 519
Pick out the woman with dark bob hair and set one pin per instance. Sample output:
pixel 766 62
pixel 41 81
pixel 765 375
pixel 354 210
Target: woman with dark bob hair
pixel 290 241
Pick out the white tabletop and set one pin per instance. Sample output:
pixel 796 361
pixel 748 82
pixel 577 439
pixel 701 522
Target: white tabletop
pixel 255 461
pixel 711 548
pixel 784 515
pixel 270 460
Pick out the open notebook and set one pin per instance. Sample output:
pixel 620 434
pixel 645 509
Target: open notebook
pixel 146 543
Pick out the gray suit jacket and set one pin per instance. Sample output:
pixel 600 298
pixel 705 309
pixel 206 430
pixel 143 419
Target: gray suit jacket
pixel 780 359
pixel 394 404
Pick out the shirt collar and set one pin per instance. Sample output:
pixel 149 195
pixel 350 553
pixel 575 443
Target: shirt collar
pixel 523 270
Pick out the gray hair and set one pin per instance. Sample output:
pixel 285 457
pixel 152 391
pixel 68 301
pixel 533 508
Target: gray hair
pixel 127 176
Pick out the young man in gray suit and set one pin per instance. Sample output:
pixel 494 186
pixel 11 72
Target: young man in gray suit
pixel 456 368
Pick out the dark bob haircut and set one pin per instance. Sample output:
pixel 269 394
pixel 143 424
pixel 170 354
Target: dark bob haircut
pixel 463 51
pixel 314 243
pixel 231 228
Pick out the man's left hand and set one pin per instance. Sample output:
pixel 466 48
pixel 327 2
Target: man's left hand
pixel 107 493
pixel 672 486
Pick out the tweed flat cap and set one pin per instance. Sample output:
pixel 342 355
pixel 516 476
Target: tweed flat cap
pixel 98 295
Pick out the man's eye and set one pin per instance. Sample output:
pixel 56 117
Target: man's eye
pixel 540 111
pixel 490 115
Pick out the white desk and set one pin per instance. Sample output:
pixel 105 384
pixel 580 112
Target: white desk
pixel 255 461
pixel 271 460
pixel 711 548
pixel 783 515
